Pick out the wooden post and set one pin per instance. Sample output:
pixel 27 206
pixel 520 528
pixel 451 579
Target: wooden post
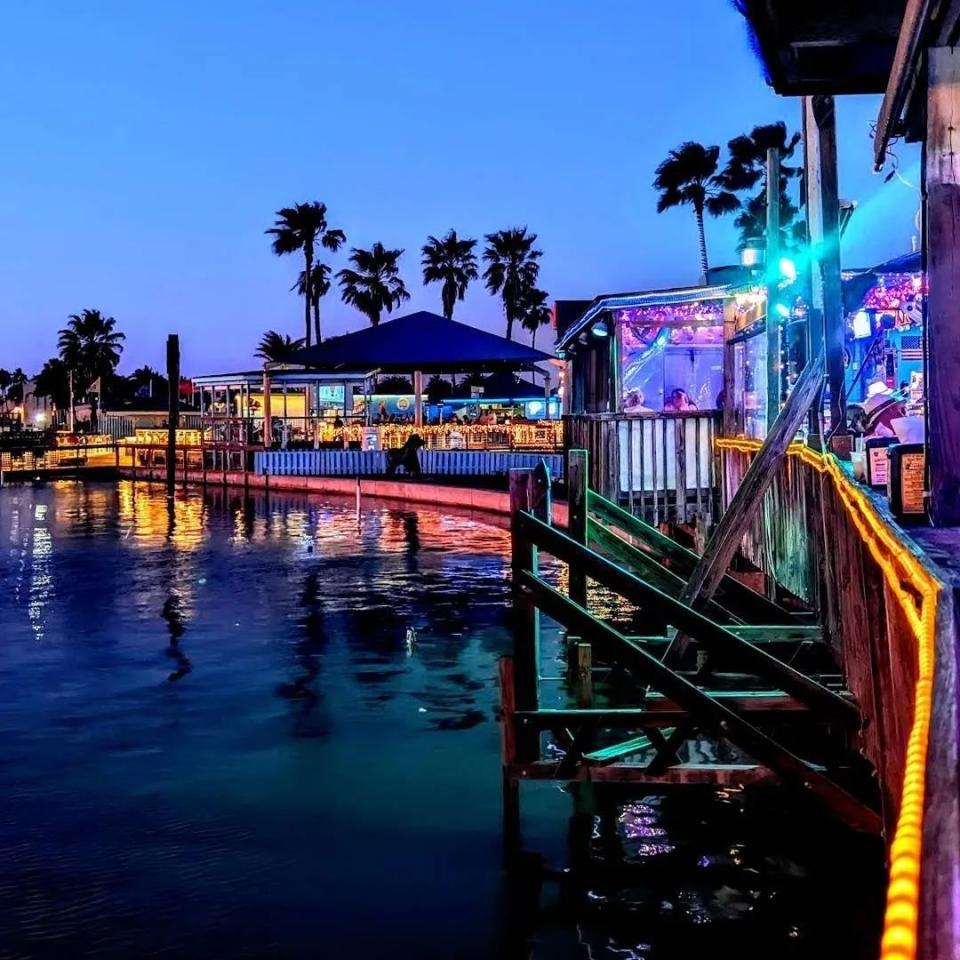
pixel 173 408
pixel 529 493
pixel 417 398
pixel 577 472
pixel 729 370
pixel 942 248
pixel 508 755
pixel 773 276
pixel 267 412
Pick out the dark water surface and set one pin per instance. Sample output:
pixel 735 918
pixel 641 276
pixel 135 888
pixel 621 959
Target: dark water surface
pixel 215 742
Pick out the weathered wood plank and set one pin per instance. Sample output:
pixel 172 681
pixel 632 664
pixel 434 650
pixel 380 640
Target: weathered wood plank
pixel 706 711
pixel 712 635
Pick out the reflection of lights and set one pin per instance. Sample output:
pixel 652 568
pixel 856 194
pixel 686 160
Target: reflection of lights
pixel 40 417
pixel 782 310
pixel 534 407
pixel 788 269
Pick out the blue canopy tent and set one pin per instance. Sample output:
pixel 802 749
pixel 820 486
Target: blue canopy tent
pixel 419 343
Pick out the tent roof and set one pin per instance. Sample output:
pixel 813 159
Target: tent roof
pixel 501 386
pixel 420 341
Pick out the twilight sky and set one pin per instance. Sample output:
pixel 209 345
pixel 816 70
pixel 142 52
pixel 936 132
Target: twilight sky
pixel 144 148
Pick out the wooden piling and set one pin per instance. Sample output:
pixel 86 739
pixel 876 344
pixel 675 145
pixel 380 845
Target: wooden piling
pixel 173 409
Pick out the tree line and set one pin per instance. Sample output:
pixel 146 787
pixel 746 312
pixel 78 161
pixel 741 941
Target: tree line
pixel 372 283
pixel 691 175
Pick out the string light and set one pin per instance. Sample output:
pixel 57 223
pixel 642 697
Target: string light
pixel 898 565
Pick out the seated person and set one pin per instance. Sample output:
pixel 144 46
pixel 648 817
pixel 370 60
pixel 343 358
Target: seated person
pixel 679 402
pixel 635 402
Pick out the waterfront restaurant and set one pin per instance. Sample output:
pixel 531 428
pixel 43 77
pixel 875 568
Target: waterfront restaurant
pixel 650 375
pixel 512 415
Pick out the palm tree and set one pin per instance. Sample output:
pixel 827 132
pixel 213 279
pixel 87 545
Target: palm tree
pixel 536 312
pixel 319 287
pixel 5 381
pixel 689 176
pixel 90 345
pixel 747 167
pixel 452 262
pixel 53 381
pixel 18 380
pixel 512 269
pixel 373 284
pixel 300 228
pixel 276 348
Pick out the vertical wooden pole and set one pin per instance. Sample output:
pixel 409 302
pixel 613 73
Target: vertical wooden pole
pixel 417 398
pixel 813 205
pixel 773 275
pixel 577 472
pixel 267 412
pixel 729 369
pixel 173 408
pixel 508 755
pixel 942 248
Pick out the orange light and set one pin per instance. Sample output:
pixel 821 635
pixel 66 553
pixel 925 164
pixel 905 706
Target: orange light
pixel 899 566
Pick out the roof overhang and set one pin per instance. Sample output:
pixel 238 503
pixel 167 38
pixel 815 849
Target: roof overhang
pixel 279 377
pixel 825 46
pixel 653 298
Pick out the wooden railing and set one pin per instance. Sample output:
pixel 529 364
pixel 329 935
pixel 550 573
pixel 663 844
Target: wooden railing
pixel 891 621
pixel 662 466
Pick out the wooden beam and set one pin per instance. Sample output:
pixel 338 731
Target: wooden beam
pixel 686 774
pixel 705 710
pixel 577 486
pixel 173 409
pixel 649 568
pixel 774 371
pixel 942 222
pixel 736 596
pixel 748 500
pixel 712 635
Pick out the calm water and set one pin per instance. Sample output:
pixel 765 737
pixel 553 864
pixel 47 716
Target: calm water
pixel 214 742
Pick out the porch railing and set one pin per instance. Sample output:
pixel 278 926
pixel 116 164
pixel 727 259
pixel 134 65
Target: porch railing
pixel 662 466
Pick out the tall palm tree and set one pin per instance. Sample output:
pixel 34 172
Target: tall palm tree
pixel 53 381
pixel 18 381
pixel 298 229
pixel 5 381
pixel 452 262
pixel 373 284
pixel 276 348
pixel 536 312
pixel 319 288
pixel 747 167
pixel 688 176
pixel 512 269
pixel 90 345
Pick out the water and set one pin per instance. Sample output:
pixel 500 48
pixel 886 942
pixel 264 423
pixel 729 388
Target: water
pixel 215 742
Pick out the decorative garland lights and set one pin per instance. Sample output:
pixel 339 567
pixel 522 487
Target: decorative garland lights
pixel 918 603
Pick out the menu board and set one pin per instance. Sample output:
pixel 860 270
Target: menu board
pixel 911 482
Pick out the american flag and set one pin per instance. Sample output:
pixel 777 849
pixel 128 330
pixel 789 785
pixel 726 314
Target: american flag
pixel 911 348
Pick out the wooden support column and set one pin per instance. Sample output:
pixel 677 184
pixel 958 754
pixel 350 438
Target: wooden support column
pixel 728 428
pixel 173 409
pixel 823 220
pixel 417 398
pixel 267 412
pixel 529 493
pixel 942 249
pixel 577 474
pixel 774 378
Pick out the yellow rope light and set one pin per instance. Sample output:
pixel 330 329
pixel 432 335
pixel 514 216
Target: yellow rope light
pixel 899 565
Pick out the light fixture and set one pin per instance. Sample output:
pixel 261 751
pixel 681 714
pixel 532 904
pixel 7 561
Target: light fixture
pixel 752 254
pixel 600 329
pixel 782 310
pixel 788 269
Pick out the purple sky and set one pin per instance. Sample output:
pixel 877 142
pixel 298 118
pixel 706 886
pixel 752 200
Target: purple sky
pixel 146 146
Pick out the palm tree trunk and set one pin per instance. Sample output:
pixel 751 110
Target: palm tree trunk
pixel 316 321
pixel 307 270
pixel 702 236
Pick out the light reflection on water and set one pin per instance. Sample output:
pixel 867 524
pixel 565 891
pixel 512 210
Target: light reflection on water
pixel 214 742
